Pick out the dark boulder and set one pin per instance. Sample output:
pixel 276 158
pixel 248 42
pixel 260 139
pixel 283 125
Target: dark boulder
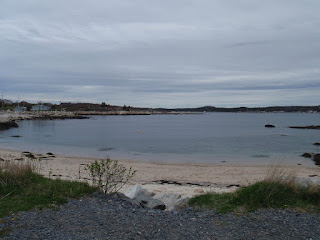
pixel 269 126
pixel 7 125
pixel 316 158
pixel 316 144
pixel 29 155
pixel 306 155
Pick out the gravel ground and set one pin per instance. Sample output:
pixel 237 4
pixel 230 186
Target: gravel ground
pixel 110 217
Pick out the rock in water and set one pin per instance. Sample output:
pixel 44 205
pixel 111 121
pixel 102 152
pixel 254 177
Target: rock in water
pixel 306 155
pixel 269 126
pixel 7 125
pixel 316 158
pixel 316 144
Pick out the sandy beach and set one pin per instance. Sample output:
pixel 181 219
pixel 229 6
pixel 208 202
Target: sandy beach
pixel 187 179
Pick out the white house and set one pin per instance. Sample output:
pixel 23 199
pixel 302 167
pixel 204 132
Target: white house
pixel 40 108
pixel 20 109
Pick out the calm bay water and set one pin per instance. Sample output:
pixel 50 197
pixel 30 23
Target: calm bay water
pixel 208 137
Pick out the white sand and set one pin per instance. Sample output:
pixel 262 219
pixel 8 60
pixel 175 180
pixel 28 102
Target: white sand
pixel 210 177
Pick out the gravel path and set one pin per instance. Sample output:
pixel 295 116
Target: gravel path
pixel 110 217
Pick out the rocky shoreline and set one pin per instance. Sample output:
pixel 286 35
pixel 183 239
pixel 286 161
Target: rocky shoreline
pixel 305 127
pixel 8 120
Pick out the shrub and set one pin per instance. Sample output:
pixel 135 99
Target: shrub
pixel 109 175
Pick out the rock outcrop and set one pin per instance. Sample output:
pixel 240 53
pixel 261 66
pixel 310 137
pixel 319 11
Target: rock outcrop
pixel 316 158
pixel 7 125
pixel 307 182
pixel 163 201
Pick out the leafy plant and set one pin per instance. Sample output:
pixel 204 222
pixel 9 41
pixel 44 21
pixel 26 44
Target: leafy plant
pixel 109 175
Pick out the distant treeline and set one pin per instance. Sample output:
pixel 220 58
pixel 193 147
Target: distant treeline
pixel 255 109
pixel 104 107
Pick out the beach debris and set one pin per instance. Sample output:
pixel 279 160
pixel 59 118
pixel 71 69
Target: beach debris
pixel 269 126
pixel 28 155
pixel 50 154
pixel 167 182
pixel 202 184
pixel 139 131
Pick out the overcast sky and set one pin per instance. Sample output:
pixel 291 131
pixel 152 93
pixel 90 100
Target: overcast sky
pixel 167 53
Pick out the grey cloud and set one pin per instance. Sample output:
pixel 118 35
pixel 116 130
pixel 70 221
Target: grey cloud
pixel 161 53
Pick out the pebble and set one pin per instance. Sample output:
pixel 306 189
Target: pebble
pixel 97 217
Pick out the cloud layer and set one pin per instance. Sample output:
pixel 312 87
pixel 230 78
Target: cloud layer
pixel 161 53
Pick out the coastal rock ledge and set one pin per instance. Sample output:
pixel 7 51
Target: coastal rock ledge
pixel 7 125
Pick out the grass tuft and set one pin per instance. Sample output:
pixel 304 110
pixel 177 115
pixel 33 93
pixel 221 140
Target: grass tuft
pixel 22 189
pixel 278 190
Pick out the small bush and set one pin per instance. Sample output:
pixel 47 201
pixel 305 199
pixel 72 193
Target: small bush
pixel 109 175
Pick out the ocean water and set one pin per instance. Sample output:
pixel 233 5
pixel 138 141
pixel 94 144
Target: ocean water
pixel 207 137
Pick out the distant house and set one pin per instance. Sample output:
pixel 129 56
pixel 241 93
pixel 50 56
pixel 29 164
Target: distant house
pixel 6 102
pixel 40 108
pixel 20 109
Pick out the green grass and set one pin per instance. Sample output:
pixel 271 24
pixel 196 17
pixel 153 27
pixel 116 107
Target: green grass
pixel 264 194
pixel 21 189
